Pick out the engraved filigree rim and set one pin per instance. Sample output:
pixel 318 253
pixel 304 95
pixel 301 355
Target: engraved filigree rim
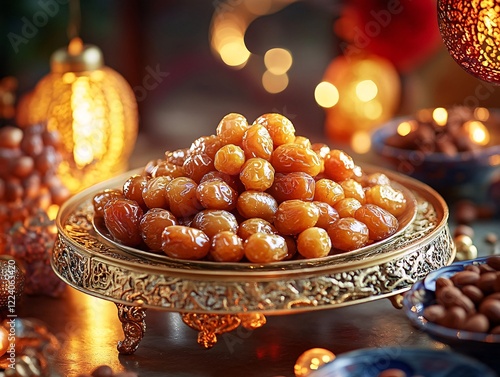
pixel 277 270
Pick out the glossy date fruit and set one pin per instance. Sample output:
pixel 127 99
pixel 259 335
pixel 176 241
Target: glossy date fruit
pixel 122 218
pixel 255 193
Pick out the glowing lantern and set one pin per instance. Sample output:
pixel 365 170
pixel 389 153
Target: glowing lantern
pixel 367 91
pixel 94 110
pixel 471 32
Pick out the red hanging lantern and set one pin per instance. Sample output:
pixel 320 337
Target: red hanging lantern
pixel 471 32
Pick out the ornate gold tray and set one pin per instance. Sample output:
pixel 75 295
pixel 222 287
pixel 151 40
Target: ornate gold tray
pixel 215 299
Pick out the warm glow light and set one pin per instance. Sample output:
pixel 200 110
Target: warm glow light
pixel 478 132
pixel 75 46
pixel 311 360
pixel 471 32
pixel 440 116
pixel 373 110
pixel 404 128
pixel 228 27
pixel 96 326
pixel 326 94
pixel 482 114
pixel 52 211
pixel 278 61
pixel 274 83
pixel 96 116
pixel 424 115
pixel 366 90
pixel 494 160
pixel 259 7
pixel 361 142
pixel 4 340
pixel 69 78
pixel 234 53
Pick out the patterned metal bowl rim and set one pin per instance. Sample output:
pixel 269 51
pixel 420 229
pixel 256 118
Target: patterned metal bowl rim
pixel 275 270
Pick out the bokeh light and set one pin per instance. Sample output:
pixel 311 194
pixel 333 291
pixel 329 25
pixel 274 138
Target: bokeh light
pixel 361 142
pixel 311 360
pixel 278 61
pixel 366 90
pixel 274 83
pixel 404 128
pixel 477 132
pixel 368 95
pixel 326 94
pixel 482 114
pixel 440 116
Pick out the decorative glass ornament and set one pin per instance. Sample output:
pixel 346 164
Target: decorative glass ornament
pixel 311 360
pixel 94 110
pixel 471 32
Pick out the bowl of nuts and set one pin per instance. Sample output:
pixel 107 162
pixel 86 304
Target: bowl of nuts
pixel 456 150
pixel 459 305
pixel 402 362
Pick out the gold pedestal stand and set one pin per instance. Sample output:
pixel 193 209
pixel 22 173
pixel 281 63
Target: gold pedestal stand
pixel 215 298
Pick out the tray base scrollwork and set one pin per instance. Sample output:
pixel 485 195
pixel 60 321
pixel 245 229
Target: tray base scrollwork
pixel 216 300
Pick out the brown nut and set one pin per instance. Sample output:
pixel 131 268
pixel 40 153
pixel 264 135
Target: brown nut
pixel 452 296
pixel 486 268
pixel 455 318
pixel 491 309
pixel 477 323
pixel 443 282
pixel 434 313
pixel 495 296
pixel 473 268
pixel 495 330
pixel 465 278
pixel 494 262
pixel 473 292
pixel 393 372
pixel 487 281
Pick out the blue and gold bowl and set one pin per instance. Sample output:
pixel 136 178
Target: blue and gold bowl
pixel 482 346
pixel 464 175
pixel 411 361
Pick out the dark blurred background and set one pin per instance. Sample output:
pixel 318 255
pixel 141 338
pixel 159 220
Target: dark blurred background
pixel 195 89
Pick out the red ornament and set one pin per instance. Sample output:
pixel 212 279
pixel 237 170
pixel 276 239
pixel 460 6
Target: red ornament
pixel 405 32
pixel 471 32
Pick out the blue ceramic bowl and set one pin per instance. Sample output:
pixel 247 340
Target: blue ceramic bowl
pixel 485 347
pixel 413 361
pixel 466 175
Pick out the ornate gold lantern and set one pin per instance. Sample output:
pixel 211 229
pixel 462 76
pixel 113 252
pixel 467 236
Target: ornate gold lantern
pixel 94 110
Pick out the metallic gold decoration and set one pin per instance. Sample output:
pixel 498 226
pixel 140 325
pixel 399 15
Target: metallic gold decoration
pixel 252 321
pixel 471 32
pixel 210 325
pixel 134 327
pixel 83 260
pixel 311 360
